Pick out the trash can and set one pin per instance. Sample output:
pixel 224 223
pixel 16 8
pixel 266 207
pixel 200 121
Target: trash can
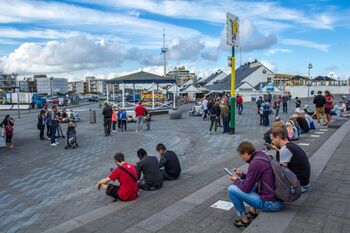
pixel 92 116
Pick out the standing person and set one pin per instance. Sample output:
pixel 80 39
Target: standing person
pixel 48 123
pixel 41 124
pixel 328 105
pixel 148 119
pixel 285 99
pixel 126 175
pixel 297 104
pixel 205 108
pixel 124 119
pixel 277 105
pixel 53 125
pixel 119 118
pixel 214 115
pixel 59 128
pixel 140 114
pixel 114 119
pixel 259 102
pixel 107 118
pixel 266 112
pixel 319 102
pixel 292 157
pixel 239 104
pixel 7 124
pixel 245 188
pixel 170 162
pixel 149 167
pixel 269 97
pixel 225 114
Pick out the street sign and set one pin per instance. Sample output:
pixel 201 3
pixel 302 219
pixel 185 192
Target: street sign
pixel 270 87
pixel 232 27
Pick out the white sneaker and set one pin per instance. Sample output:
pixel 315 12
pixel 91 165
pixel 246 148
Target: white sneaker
pixel 53 144
pixel 57 143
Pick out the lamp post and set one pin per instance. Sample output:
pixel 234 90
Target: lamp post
pixel 308 82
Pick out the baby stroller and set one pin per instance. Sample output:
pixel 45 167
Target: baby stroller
pixel 71 137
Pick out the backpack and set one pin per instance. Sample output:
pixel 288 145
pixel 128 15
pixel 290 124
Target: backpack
pixel 287 185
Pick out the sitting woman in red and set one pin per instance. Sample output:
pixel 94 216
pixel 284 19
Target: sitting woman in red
pixel 126 175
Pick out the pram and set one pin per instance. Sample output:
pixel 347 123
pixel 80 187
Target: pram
pixel 71 137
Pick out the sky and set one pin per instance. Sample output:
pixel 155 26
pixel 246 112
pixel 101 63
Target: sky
pixel 110 38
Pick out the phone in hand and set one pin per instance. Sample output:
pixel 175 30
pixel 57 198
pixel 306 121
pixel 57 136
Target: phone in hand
pixel 228 171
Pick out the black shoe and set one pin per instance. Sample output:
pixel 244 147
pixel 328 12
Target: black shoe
pixel 240 223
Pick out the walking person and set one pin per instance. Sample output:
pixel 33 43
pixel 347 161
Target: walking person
pixel 319 102
pixel 266 112
pixel 239 101
pixel 107 119
pixel 148 119
pixel 259 102
pixel 225 114
pixel 328 106
pixel 41 124
pixel 53 125
pixel 140 114
pixel 277 105
pixel 124 119
pixel 48 123
pixel 285 99
pixel 214 115
pixel 119 118
pixel 114 119
pixel 7 124
pixel 205 108
pixel 59 127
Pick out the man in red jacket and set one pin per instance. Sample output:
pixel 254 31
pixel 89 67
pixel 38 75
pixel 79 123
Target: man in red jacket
pixel 140 113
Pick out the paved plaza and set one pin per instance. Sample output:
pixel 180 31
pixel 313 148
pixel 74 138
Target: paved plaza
pixel 49 189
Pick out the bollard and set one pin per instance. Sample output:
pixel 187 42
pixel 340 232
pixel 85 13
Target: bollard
pixel 92 116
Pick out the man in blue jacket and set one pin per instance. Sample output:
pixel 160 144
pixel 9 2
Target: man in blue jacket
pixel 244 187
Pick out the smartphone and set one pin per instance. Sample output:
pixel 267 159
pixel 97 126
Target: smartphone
pixel 228 171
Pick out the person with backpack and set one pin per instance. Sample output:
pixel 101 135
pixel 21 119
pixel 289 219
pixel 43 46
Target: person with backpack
pixel 126 175
pixel 245 189
pixel 292 157
pixel 8 124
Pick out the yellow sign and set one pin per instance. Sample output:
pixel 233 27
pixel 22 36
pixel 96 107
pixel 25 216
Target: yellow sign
pixel 147 96
pixel 232 29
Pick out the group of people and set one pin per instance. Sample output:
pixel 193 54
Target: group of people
pixel 148 174
pixel 113 116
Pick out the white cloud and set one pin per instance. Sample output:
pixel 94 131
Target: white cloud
pixel 184 49
pixel 75 53
pixel 306 43
pixel 275 51
pixel 271 66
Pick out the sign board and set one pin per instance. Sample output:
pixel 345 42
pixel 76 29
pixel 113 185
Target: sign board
pixel 147 96
pixel 270 87
pixel 232 28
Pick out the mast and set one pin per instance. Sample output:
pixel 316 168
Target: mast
pixel 164 51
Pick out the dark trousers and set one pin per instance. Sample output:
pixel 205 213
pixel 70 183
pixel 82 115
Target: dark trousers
pixel 8 139
pixel 240 108
pixel 285 110
pixel 53 135
pixel 166 176
pixel 277 111
pixel 144 186
pixel 226 124
pixel 123 126
pixel 48 132
pixel 42 129
pixel 266 118
pixel 114 123
pixel 213 122
pixel 119 123
pixel 107 126
pixel 261 119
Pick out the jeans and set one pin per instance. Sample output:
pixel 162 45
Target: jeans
pixel 225 122
pixel 213 121
pixel 139 123
pixel 253 199
pixel 123 126
pixel 114 123
pixel 53 133
pixel 285 110
pixel 277 111
pixel 266 121
pixel 240 108
pixel 205 114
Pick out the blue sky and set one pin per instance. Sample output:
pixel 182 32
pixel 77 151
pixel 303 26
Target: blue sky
pixel 74 38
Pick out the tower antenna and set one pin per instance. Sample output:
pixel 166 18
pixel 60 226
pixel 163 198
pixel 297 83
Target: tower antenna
pixel 164 51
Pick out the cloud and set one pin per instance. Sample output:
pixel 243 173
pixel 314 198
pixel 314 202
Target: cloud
pixel 306 43
pixel 184 49
pixel 275 51
pixel 211 54
pixel 271 66
pixel 332 67
pixel 75 53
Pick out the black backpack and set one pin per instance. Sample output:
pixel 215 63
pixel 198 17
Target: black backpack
pixel 287 185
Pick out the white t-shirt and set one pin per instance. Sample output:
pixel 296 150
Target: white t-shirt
pixel 205 104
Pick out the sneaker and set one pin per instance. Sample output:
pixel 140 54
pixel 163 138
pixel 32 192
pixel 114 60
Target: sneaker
pixel 53 144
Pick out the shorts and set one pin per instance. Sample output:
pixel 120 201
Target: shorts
pixel 112 190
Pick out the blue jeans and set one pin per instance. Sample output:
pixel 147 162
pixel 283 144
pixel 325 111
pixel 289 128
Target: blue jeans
pixel 139 123
pixel 253 199
pixel 53 133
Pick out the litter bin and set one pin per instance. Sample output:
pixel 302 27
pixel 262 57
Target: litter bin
pixel 92 116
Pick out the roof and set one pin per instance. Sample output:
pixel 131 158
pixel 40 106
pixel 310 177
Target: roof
pixel 299 77
pixel 142 77
pixel 263 84
pixel 323 78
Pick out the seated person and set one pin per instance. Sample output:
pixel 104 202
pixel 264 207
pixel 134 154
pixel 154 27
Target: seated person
pixel 303 123
pixel 126 175
pixel 336 110
pixel 292 157
pixel 149 167
pixel 244 188
pixel 170 162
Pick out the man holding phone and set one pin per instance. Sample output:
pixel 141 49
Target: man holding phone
pixel 244 188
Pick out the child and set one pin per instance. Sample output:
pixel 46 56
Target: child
pixel 124 118
pixel 114 119
pixel 119 118
pixel 148 119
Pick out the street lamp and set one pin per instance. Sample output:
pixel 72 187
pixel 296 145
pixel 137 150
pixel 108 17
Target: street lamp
pixel 308 84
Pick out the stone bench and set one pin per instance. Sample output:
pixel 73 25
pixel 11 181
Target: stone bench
pixel 175 114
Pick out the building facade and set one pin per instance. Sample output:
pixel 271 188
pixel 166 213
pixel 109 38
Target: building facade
pixel 51 86
pixel 8 82
pixel 181 75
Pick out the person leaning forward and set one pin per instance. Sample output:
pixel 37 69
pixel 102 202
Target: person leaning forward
pixel 170 162
pixel 149 167
pixel 126 175
pixel 244 188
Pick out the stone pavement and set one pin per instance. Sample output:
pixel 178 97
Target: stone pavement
pixel 45 188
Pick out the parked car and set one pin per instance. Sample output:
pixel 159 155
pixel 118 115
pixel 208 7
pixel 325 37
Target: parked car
pixel 93 99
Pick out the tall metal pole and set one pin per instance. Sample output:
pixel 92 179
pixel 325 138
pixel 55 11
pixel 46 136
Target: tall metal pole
pixel 233 97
